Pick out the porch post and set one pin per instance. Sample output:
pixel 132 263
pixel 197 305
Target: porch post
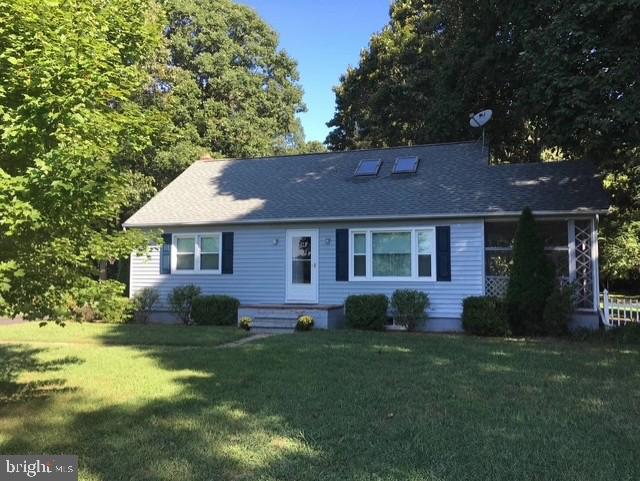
pixel 571 226
pixel 595 263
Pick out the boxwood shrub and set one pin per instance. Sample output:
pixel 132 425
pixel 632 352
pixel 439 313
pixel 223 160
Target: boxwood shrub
pixel 215 310
pixel 367 311
pixel 485 316
pixel 409 307
pixel 181 301
pixel 557 311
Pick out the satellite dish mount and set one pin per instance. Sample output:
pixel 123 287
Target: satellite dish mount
pixel 480 120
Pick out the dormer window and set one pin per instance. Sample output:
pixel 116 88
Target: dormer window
pixel 368 167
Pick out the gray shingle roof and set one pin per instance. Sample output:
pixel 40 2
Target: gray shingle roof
pixel 452 180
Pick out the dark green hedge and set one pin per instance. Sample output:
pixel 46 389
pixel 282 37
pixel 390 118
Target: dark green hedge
pixel 367 311
pixel 409 306
pixel 215 310
pixel 485 316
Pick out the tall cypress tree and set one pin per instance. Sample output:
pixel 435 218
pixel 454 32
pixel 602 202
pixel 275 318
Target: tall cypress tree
pixel 532 278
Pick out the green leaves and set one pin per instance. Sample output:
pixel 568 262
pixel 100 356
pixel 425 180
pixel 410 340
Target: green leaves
pixel 561 77
pixel 68 109
pixel 224 88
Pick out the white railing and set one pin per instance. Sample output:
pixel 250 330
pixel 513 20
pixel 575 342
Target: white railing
pixel 619 310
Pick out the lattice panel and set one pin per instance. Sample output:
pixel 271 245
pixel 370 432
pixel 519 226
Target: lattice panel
pixel 584 265
pixel 496 286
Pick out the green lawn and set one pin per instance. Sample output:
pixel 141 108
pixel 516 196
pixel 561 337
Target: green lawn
pixel 320 405
pixel 118 334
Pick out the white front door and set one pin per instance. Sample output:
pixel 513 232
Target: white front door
pixel 302 266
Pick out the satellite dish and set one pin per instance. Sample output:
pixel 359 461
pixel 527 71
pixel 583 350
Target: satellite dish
pixel 481 118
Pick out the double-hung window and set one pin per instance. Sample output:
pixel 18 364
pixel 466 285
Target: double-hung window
pixel 392 254
pixel 185 253
pixel 210 252
pixel 359 254
pixel 197 253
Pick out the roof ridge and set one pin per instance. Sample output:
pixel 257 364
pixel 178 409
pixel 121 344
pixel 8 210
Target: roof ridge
pixel 395 147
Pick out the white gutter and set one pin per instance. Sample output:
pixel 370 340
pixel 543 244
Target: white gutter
pixel 544 213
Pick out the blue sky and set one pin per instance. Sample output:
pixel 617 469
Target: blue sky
pixel 324 36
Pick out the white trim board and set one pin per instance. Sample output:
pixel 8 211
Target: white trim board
pixel 471 215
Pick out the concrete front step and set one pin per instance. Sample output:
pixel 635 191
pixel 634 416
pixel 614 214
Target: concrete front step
pixel 274 323
pixel 271 330
pixel 285 316
pixel 280 314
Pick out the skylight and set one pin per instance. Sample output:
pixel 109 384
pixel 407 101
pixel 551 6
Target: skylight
pixel 368 167
pixel 405 165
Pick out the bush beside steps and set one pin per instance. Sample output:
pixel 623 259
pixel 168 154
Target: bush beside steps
pixel 368 311
pixel 216 310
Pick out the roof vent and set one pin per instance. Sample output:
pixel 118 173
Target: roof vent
pixel 368 167
pixel 405 165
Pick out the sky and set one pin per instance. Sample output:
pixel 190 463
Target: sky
pixel 324 37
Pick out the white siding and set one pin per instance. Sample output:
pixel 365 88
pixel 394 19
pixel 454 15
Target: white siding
pixel 259 267
pixel 446 297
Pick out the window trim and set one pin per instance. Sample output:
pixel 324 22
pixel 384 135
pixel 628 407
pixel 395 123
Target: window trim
pixel 368 231
pixel 196 263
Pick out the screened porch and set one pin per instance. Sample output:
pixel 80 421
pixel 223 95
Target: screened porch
pixel 571 244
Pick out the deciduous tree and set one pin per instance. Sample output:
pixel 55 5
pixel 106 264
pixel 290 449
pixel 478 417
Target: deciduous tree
pixel 223 88
pixel 561 77
pixel 69 72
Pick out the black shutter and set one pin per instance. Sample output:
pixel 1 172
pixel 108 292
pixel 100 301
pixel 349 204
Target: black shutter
pixel 342 254
pixel 443 253
pixel 227 252
pixel 165 253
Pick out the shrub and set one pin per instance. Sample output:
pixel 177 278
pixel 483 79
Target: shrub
pixel 557 311
pixel 143 301
pixel 367 311
pixel 99 301
pixel 305 323
pixel 409 307
pixel 245 323
pixel 215 310
pixel 628 334
pixel 181 301
pixel 485 316
pixel 532 279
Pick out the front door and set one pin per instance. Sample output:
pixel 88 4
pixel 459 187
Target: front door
pixel 302 266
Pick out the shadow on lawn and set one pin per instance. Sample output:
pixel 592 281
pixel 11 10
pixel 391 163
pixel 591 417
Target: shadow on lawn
pixel 20 359
pixel 371 407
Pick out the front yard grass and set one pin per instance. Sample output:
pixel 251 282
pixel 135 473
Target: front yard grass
pixel 323 406
pixel 121 334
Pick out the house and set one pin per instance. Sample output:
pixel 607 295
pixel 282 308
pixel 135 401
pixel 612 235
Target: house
pixel 298 234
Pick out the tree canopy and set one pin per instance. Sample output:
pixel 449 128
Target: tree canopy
pixel 561 77
pixel 69 72
pixel 222 88
pixel 103 102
